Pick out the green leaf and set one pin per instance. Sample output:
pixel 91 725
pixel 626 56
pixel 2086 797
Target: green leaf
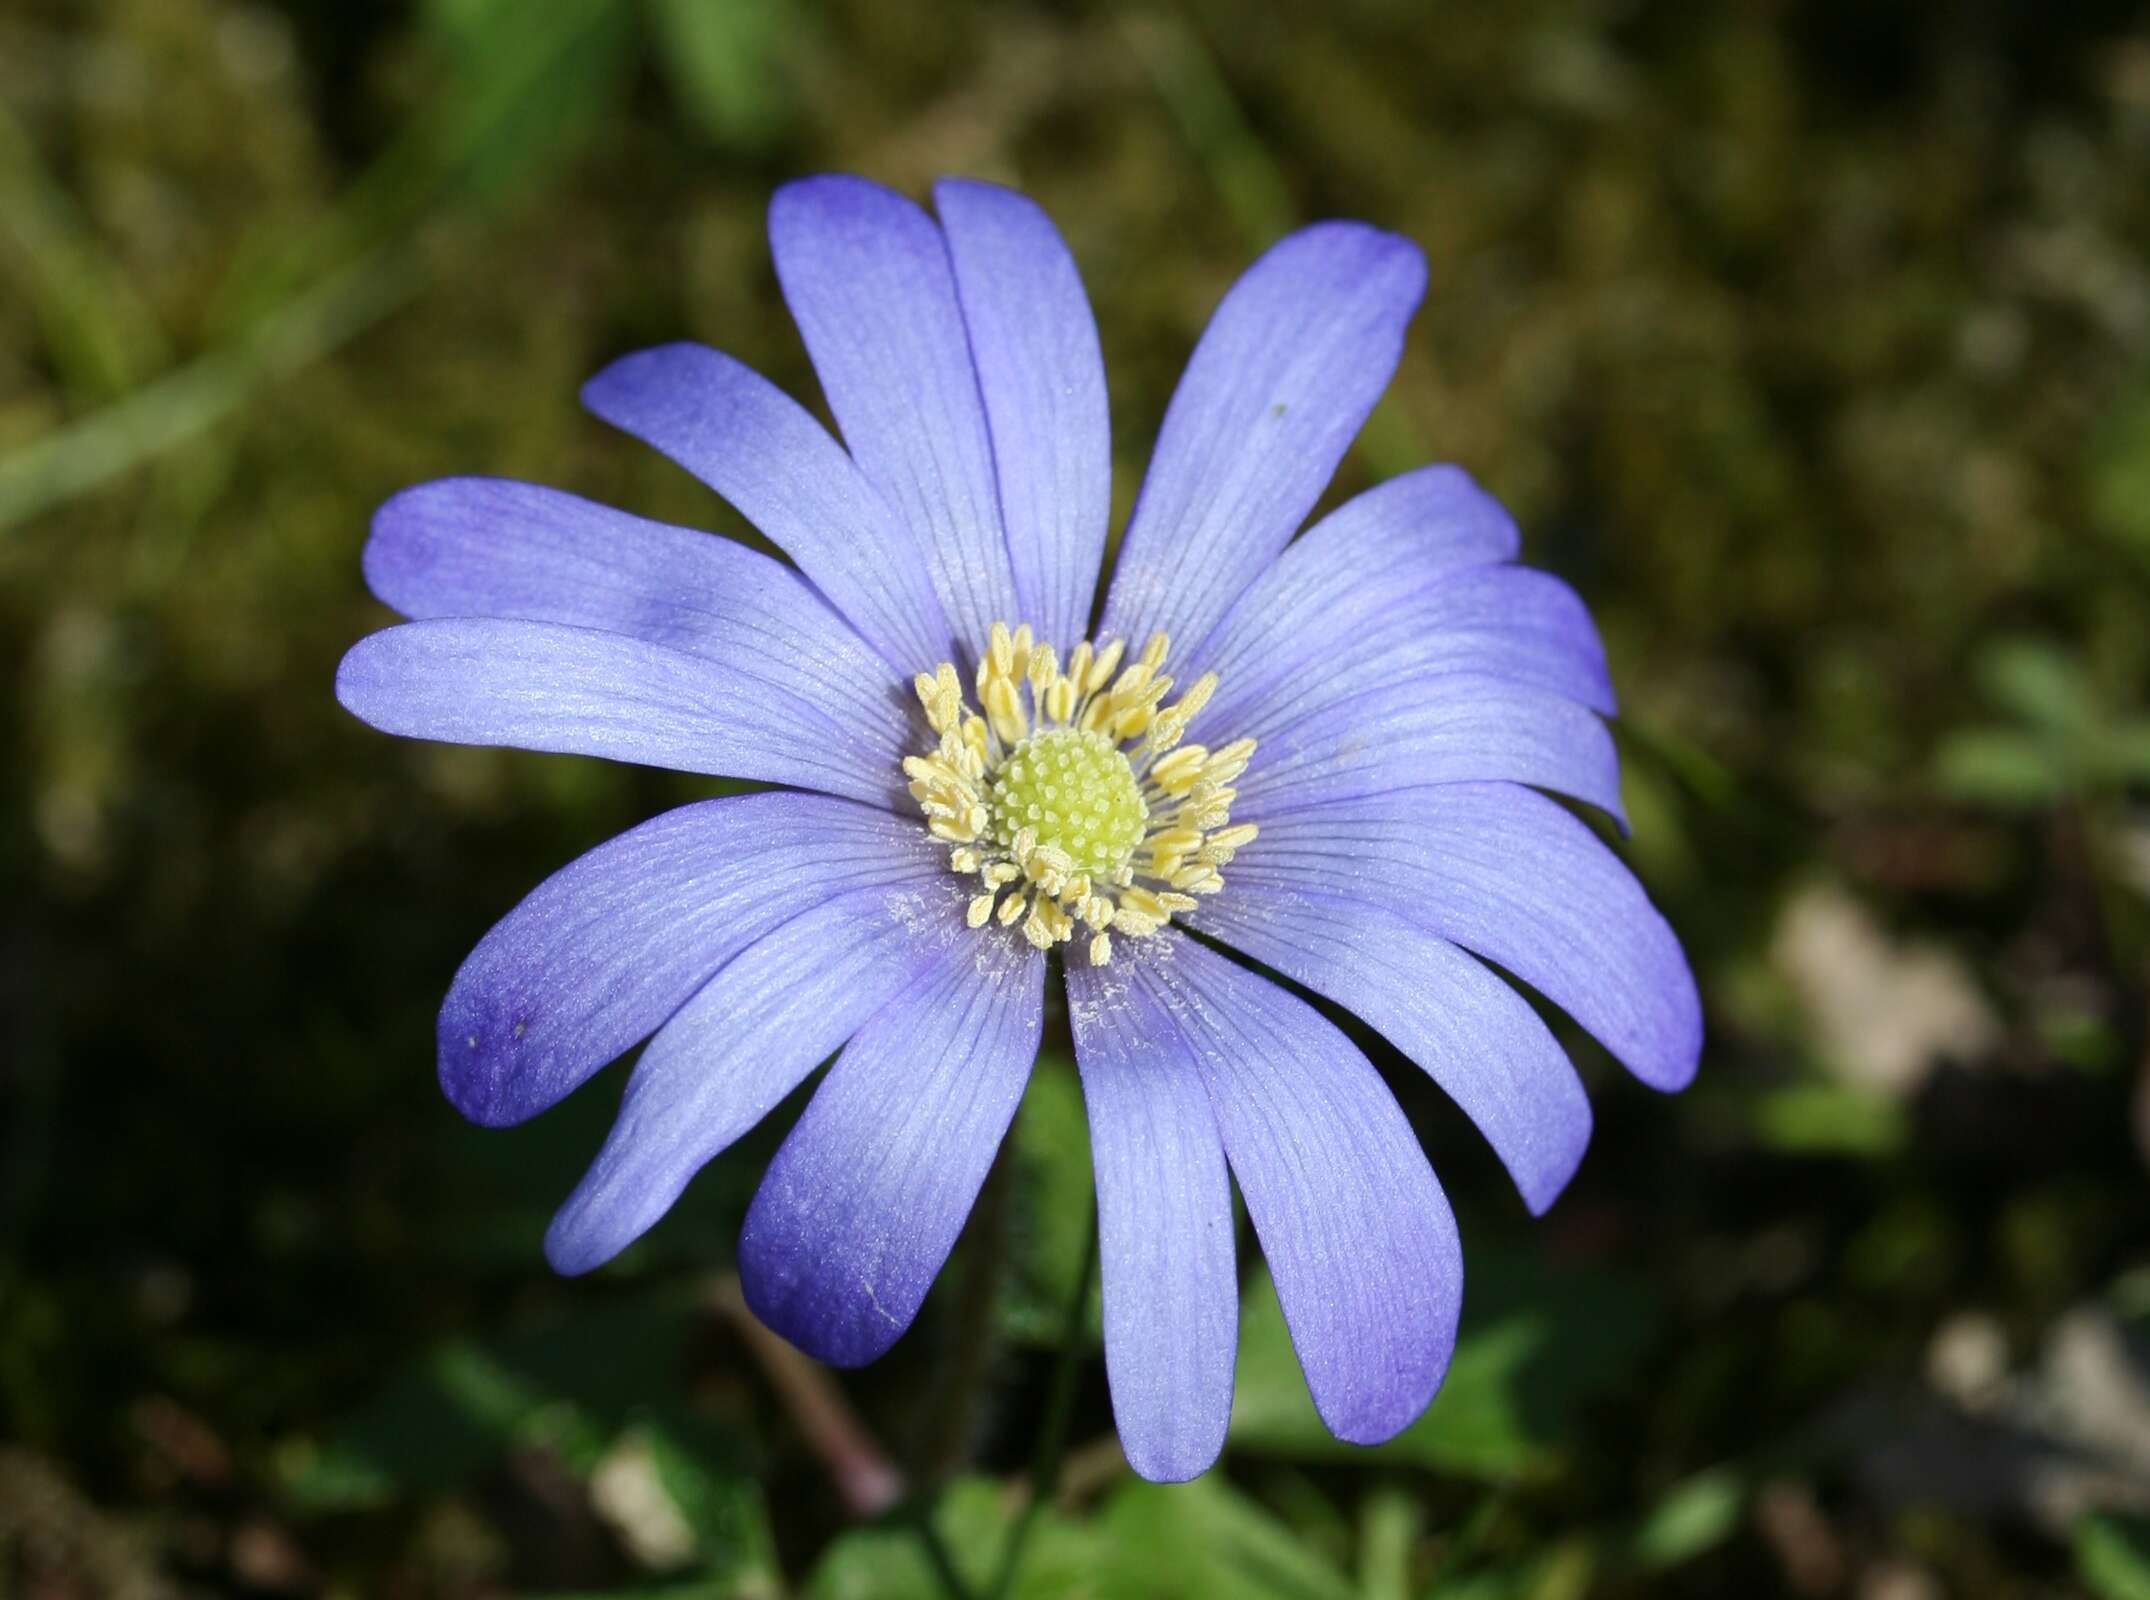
pixel 1829 1119
pixel 2123 752
pixel 2002 768
pixel 2040 685
pixel 1206 1541
pixel 1698 1514
pixel 2112 1556
pixel 429 1430
pixel 1390 1520
pixel 708 1478
pixel 1052 1212
pixel 570 1384
pixel 893 1559
pixel 1561 1573
pixel 1534 1346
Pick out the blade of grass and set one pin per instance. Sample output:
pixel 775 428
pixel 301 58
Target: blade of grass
pixel 1247 177
pixel 106 444
pixel 508 111
pixel 103 336
pixel 724 60
pixel 550 73
pixel 1194 91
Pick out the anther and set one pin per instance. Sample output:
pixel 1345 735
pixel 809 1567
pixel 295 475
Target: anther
pixel 1102 669
pixel 1068 795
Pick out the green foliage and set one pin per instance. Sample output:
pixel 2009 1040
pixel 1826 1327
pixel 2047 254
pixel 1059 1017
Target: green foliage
pixel 2119 473
pixel 1195 1540
pixel 533 82
pixel 969 1523
pixel 725 62
pixel 2064 740
pixel 1565 1572
pixel 2112 1556
pixel 708 1478
pixel 1053 1209
pixel 567 1385
pixel 598 1391
pixel 103 337
pixel 185 404
pixel 1821 1119
pixel 1534 1348
pixel 1694 1517
pixel 1806 342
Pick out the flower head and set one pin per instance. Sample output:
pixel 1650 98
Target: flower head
pixel 1324 753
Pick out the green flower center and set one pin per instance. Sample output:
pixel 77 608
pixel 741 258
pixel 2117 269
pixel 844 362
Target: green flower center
pixel 1074 789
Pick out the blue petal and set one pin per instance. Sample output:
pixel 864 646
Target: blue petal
pixel 1436 517
pixel 747 1039
pixel 1289 367
pixel 866 274
pixel 1043 380
pixel 1373 626
pixel 1507 873
pixel 1512 622
pixel 1164 1217
pixel 492 547
pixel 1392 540
pixel 763 452
pixel 1356 1230
pixel 1447 729
pixel 770 712
pixel 1472 1033
pixel 602 952
pixel 865 1199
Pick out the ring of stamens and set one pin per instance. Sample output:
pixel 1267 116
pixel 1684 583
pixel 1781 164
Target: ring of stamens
pixel 1070 796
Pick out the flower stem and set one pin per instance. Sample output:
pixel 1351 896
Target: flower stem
pixel 866 1480
pixel 920 1518
pixel 1059 1413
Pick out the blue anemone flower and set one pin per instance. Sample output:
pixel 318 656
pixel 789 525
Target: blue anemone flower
pixel 972 776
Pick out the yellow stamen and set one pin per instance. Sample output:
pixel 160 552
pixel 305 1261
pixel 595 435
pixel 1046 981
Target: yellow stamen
pixel 1068 795
pixel 1102 668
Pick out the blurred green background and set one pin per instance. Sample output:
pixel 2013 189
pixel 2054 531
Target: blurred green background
pixel 1811 342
